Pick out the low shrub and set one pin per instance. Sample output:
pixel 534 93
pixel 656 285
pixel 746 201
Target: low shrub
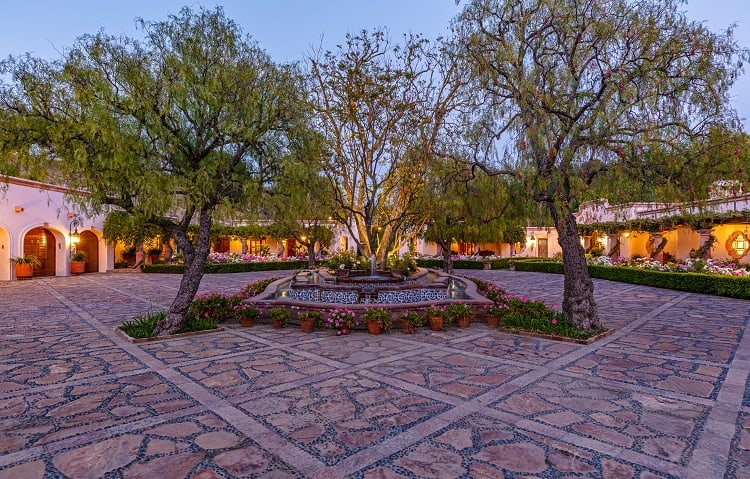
pixel 216 268
pixel 255 288
pixel 215 306
pixel 718 285
pixel 143 326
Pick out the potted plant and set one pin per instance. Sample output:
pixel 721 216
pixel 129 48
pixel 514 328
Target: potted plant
pixel 309 320
pixel 410 321
pixel 378 321
pixel 278 316
pixel 342 320
pixel 78 263
pixel 494 313
pixel 436 317
pixel 460 313
pixel 246 314
pixel 25 265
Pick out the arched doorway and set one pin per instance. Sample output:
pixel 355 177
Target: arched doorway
pixel 5 266
pixel 41 243
pixel 89 244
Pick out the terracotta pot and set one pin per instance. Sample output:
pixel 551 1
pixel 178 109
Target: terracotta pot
pixel 374 327
pixel 77 267
pixel 463 321
pixel 24 271
pixel 277 323
pixel 436 323
pixel 408 328
pixel 343 331
pixel 246 320
pixel 308 325
pixel 493 321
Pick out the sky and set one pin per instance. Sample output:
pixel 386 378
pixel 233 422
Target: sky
pixel 288 29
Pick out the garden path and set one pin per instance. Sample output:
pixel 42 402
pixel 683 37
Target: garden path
pixel 666 395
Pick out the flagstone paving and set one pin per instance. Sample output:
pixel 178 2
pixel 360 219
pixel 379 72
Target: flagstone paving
pixel 666 396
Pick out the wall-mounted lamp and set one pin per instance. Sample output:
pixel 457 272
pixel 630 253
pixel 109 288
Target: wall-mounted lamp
pixel 18 209
pixel 532 239
pixel 626 234
pixel 75 236
pixel 741 244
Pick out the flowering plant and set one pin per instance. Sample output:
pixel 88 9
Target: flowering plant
pixel 495 309
pixel 434 311
pixel 381 316
pixel 215 306
pixel 245 310
pixel 412 318
pixel 457 310
pixel 341 319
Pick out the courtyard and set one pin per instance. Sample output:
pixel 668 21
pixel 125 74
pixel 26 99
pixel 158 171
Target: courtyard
pixel 666 395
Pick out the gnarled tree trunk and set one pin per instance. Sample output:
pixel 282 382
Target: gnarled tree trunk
pixel 579 305
pixel 195 260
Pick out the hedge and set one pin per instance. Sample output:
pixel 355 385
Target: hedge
pixel 718 285
pixel 228 267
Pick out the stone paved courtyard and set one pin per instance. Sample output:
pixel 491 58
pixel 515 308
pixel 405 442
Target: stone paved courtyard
pixel 666 395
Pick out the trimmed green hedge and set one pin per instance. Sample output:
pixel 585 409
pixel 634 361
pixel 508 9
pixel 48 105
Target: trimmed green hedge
pixel 228 267
pixel 498 263
pixel 718 285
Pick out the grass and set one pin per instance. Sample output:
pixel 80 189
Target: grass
pixel 143 326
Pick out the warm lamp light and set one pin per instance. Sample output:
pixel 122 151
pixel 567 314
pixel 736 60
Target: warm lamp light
pixel 75 236
pixel 741 244
pixel 626 234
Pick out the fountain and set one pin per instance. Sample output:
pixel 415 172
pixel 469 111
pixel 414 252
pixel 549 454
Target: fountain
pixel 322 290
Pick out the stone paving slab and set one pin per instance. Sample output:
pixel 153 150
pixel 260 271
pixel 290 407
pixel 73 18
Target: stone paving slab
pixel 646 423
pixel 186 349
pixel 64 368
pixel 647 370
pixel 666 395
pixel 480 446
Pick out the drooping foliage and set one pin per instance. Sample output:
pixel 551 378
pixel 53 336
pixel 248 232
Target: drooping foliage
pixel 167 129
pixel 580 88
pixel 384 109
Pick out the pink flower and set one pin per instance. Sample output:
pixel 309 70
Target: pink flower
pixel 205 314
pixel 554 321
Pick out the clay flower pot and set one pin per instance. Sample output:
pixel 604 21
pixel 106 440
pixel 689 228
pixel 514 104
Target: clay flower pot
pixel 408 328
pixel 374 327
pixel 77 267
pixel 246 320
pixel 436 323
pixel 24 270
pixel 463 321
pixel 493 321
pixel 308 325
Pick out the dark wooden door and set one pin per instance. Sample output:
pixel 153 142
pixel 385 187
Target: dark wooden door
pixel 542 253
pixel 89 244
pixel 41 243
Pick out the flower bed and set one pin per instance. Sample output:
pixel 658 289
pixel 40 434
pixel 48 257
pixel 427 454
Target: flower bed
pixel 707 266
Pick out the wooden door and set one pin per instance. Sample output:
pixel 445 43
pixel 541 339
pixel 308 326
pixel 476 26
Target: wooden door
pixel 89 244
pixel 41 243
pixel 542 252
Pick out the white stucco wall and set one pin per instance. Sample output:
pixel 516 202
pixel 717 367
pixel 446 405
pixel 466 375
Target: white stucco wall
pixel 26 205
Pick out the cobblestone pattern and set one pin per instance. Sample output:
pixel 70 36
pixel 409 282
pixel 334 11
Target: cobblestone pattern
pixel 666 395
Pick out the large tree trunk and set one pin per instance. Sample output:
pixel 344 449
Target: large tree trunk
pixel 447 257
pixel 578 306
pixel 311 253
pixel 191 278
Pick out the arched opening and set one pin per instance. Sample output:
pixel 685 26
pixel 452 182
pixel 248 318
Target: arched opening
pixel 5 266
pixel 89 244
pixel 41 243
